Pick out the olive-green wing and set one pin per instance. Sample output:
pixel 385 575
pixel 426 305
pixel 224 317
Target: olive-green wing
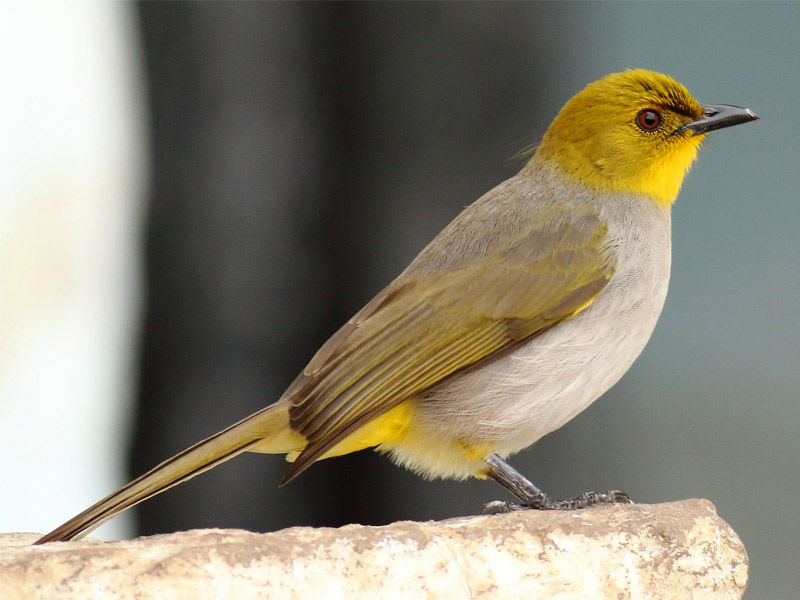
pixel 472 292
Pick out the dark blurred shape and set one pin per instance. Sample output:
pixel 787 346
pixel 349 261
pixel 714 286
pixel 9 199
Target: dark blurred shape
pixel 301 155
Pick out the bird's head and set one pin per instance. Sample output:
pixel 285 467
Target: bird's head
pixel 635 132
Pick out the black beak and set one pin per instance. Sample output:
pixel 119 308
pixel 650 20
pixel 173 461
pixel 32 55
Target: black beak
pixel 717 116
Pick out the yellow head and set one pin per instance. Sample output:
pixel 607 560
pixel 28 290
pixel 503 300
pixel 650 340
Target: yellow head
pixel 633 132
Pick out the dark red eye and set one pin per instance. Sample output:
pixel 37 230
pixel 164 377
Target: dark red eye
pixel 648 119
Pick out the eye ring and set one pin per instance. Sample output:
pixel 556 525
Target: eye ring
pixel 649 119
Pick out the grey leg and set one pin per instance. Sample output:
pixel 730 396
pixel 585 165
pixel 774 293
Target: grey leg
pixel 532 497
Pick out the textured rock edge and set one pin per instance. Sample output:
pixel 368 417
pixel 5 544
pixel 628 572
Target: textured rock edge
pixel 674 550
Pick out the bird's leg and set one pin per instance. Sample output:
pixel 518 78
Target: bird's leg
pixel 531 496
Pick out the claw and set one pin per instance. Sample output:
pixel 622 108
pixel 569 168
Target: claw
pixel 499 507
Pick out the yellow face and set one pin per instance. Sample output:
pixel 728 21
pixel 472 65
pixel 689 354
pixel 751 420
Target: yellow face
pixel 623 134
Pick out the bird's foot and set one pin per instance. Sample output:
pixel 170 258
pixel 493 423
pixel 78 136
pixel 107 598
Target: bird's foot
pixel 545 502
pixel 531 496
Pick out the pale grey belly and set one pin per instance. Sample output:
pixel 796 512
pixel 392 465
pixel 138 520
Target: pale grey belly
pixel 540 385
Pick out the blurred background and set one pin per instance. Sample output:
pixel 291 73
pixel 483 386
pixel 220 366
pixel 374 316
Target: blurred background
pixel 194 196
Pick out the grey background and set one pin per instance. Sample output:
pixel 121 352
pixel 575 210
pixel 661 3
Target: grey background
pixel 302 155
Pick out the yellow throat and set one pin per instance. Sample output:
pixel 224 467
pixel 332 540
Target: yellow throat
pixel 601 136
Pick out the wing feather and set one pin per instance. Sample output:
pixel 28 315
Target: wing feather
pixel 445 313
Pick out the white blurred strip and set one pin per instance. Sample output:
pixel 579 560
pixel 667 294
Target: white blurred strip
pixel 71 186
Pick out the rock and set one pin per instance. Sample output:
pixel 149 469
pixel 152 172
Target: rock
pixel 678 550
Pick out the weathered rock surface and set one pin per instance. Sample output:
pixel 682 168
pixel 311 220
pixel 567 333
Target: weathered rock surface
pixel 671 551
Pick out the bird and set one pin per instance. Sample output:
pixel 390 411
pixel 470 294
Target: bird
pixel 527 307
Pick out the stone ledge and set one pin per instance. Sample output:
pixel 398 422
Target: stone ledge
pixel 675 551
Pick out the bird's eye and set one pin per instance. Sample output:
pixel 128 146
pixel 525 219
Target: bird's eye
pixel 648 119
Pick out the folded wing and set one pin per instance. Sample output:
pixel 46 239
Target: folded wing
pixel 472 292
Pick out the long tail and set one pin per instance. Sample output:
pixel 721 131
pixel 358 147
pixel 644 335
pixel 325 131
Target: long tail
pixel 269 427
